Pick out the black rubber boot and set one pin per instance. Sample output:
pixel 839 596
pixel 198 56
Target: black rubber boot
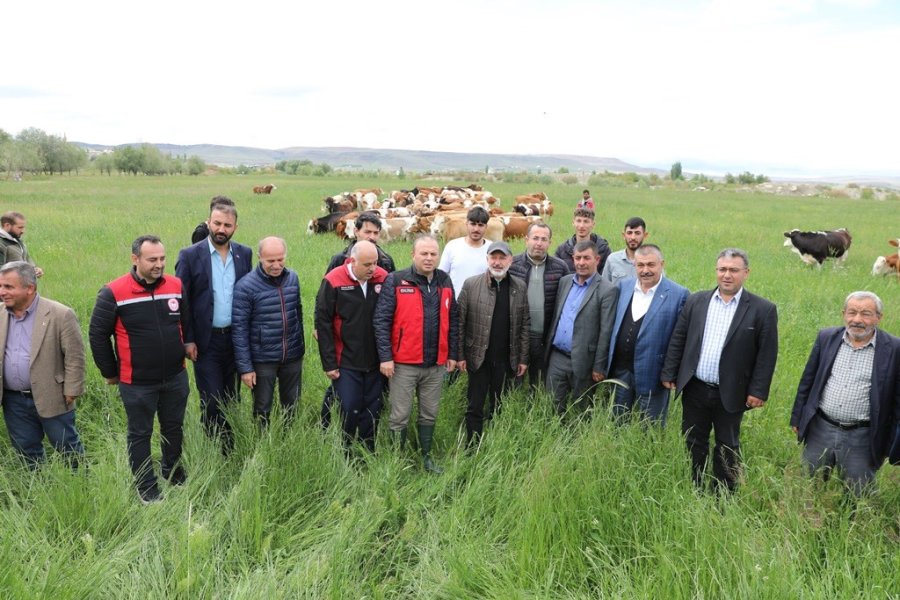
pixel 426 434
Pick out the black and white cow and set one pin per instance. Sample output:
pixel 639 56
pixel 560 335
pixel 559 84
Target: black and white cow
pixel 815 246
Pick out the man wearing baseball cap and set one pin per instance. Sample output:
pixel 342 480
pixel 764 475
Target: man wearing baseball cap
pixel 494 321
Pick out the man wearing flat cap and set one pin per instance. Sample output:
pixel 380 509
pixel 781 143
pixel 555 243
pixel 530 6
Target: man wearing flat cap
pixel 495 325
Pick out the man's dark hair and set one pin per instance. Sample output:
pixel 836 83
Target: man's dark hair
pixel 368 217
pixel 148 239
pixel 477 214
pixel 10 218
pixel 586 245
pixel 635 222
pixel 540 224
pixel 588 192
pixel 224 204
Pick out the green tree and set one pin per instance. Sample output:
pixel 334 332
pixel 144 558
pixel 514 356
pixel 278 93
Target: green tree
pixel 195 165
pixel 675 172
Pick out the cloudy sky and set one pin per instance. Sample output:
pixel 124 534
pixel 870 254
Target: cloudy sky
pixel 806 86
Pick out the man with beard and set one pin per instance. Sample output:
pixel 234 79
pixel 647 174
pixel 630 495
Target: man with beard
pixel 144 312
pixel 12 248
pixel 465 257
pixel 578 341
pixel 345 306
pixel 209 270
pixel 541 273
pixel 646 314
pixel 583 223
pixel 620 264
pixel 494 340
pixel 848 399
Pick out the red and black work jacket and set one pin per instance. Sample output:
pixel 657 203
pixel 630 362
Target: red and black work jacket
pixel 344 320
pixel 145 320
pixel 416 321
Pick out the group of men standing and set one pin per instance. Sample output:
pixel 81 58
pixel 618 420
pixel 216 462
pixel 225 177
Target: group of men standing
pixel 496 316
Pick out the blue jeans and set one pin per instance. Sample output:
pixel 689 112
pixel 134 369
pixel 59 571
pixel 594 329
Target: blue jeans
pixel 289 376
pixel 653 406
pixel 165 400
pixel 27 428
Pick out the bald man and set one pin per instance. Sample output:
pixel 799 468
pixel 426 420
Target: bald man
pixel 345 309
pixel 267 300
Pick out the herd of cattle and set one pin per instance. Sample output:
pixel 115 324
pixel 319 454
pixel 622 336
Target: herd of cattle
pixel 814 247
pixel 440 211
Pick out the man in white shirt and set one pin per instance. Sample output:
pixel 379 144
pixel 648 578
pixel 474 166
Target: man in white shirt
pixel 467 256
pixel 646 314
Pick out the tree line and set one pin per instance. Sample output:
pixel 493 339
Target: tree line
pixel 37 152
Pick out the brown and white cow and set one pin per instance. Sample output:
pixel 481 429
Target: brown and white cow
pixel 264 189
pixel 888 264
pixel 814 247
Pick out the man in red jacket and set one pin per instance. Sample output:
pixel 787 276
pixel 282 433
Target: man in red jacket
pixel 144 312
pixel 345 308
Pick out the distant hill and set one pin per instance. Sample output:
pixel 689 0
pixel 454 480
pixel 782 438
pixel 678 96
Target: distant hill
pixel 389 159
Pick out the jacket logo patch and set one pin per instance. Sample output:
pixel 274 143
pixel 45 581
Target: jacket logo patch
pixel 406 291
pixel 173 304
pixel 345 288
pixel 377 288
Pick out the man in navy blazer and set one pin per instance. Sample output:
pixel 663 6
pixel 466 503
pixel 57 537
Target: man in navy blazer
pixel 646 314
pixel 848 400
pixel 721 358
pixel 209 271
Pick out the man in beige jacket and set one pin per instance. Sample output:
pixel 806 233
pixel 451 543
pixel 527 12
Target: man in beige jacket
pixel 41 368
pixel 494 327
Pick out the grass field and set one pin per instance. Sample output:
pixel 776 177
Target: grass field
pixel 540 511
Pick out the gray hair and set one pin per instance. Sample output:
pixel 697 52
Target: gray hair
pixel 422 237
pixel 26 272
pixel 271 237
pixel 649 249
pixel 540 224
pixel 735 253
pixel 861 295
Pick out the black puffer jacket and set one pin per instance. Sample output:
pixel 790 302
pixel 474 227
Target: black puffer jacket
pixel 554 270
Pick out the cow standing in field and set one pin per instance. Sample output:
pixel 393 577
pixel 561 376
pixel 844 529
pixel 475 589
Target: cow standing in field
pixel 814 247
pixel 264 189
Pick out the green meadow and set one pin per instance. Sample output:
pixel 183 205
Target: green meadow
pixel 540 510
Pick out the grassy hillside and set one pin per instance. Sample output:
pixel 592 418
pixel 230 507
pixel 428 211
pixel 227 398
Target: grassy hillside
pixel 541 510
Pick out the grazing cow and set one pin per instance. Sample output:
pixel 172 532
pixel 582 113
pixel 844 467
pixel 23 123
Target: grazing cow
pixel 816 246
pixel 534 198
pixel 335 204
pixel 517 226
pixel 264 189
pixel 398 228
pixel 324 224
pixel 890 264
pixel 364 191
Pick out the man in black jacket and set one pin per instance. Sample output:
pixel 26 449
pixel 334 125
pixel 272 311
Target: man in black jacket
pixel 144 311
pixel 583 223
pixel 722 357
pixel 541 273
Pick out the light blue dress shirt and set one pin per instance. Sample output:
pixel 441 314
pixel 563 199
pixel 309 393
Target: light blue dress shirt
pixel 223 280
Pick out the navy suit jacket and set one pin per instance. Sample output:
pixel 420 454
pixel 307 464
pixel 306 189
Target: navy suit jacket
pixel 656 330
pixel 194 269
pixel 884 395
pixel 748 357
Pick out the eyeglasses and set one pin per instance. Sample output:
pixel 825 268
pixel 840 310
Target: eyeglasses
pixel 732 270
pixel 865 314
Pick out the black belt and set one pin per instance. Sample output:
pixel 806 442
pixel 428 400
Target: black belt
pixel 563 352
pixel 222 330
pixel 26 393
pixel 712 386
pixel 839 425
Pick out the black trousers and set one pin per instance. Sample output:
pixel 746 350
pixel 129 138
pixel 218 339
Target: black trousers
pixel 537 369
pixel 487 382
pixel 218 383
pixel 703 412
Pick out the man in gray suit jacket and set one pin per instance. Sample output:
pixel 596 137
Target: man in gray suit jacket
pixel 41 367
pixel 722 356
pixel 645 317
pixel 578 340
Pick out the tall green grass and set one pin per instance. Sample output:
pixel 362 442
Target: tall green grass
pixel 540 509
